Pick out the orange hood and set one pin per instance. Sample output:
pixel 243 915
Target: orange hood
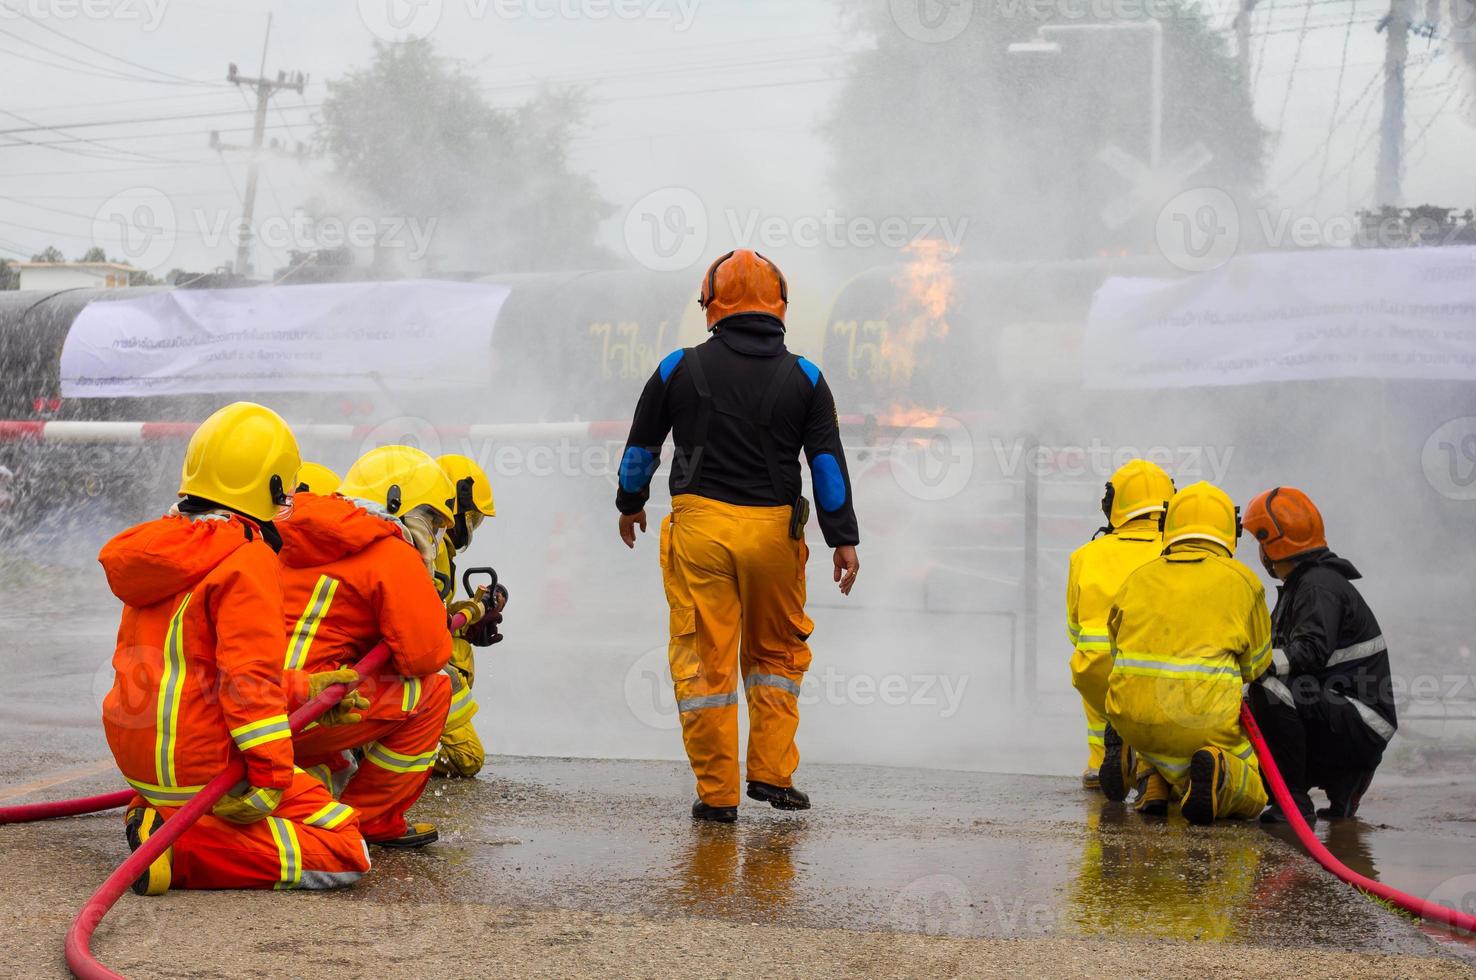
pixel 324 529
pixel 152 562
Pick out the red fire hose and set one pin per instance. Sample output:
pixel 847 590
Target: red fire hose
pixel 1427 910
pixel 28 812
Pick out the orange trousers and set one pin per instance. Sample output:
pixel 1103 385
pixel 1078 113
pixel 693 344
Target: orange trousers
pixel 310 841
pixel 735 582
pixel 398 750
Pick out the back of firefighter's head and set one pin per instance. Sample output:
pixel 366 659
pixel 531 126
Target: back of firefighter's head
pixel 1286 524
pixel 474 501
pixel 1139 488
pixel 743 281
pixel 1201 512
pixel 243 458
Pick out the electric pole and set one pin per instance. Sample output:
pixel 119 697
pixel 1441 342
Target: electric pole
pixel 1395 26
pixel 265 88
pixel 1243 48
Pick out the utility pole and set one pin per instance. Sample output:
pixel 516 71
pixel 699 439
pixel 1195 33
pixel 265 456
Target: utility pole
pixel 265 88
pixel 1395 26
pixel 1243 47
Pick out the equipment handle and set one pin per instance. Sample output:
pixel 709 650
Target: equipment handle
pixel 489 572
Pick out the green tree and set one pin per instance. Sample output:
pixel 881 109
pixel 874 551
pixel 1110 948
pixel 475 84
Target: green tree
pixel 962 128
pixel 94 254
pixel 9 275
pixel 49 254
pixel 412 133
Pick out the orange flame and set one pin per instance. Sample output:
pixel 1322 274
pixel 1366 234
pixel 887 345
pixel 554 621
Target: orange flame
pixel 926 286
pixel 905 415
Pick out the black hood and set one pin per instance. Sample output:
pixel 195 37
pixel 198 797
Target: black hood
pixel 1324 558
pixel 757 334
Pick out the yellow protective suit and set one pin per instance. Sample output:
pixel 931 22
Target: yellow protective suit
pixel 735 578
pixel 461 753
pixel 1098 569
pixel 1187 630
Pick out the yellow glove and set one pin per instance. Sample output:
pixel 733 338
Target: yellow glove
pixel 253 805
pixel 345 712
pixel 472 609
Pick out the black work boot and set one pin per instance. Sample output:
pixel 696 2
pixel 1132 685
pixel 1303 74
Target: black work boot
pixel 1201 803
pixel 778 797
pixel 1344 794
pixel 1115 776
pixel 714 814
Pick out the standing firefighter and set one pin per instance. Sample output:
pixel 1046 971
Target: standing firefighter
pixel 1326 706
pixel 461 752
pixel 1187 629
pixel 740 408
pixel 1132 502
pixel 198 675
pixel 356 568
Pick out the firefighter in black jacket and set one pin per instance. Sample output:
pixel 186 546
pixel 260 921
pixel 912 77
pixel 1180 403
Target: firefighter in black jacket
pixel 1326 706
pixel 740 409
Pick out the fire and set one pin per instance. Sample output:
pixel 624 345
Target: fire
pixel 905 415
pixel 926 286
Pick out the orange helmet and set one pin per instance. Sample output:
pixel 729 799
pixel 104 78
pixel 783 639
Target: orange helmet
pixel 743 281
pixel 1286 523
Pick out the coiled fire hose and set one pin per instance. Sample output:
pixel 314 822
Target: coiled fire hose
pixel 1430 911
pixel 79 937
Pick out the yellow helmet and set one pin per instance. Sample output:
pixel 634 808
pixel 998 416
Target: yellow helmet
pixel 1202 512
pixel 1137 489
pixel 473 489
pixel 317 478
pixel 243 457
pixel 401 478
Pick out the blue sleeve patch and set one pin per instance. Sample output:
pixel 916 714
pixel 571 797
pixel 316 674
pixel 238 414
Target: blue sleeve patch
pixel 830 482
pixel 636 469
pixel 811 372
pixel 669 363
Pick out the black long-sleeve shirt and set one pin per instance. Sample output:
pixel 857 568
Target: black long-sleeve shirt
pixel 738 362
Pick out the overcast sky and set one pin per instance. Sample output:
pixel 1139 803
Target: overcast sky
pixel 719 97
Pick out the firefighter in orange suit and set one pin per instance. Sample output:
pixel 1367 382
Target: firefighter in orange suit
pixel 198 675
pixel 740 408
pixel 355 570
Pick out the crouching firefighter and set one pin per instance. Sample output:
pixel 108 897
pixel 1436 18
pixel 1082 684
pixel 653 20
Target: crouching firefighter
pixel 1132 502
pixel 462 754
pixel 356 568
pixel 1326 706
pixel 1187 629
pixel 198 675
pixel 740 408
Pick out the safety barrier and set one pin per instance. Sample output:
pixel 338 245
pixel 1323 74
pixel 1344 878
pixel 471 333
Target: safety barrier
pixel 80 959
pixel 1430 911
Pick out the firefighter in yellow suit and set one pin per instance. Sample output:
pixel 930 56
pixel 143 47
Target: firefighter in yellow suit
pixel 461 753
pixel 1187 630
pixel 1135 496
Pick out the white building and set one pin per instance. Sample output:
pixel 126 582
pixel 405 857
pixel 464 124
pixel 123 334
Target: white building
pixel 73 275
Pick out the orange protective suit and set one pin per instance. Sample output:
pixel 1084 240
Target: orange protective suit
pixel 351 578
pixel 198 682
pixel 735 578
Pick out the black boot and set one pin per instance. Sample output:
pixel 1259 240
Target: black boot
pixel 1274 813
pixel 1116 774
pixel 1344 793
pixel 778 797
pixel 714 814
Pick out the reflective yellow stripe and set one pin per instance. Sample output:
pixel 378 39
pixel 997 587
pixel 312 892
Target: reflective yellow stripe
pixel 289 853
pixel 171 690
pixel 410 694
pixel 1257 664
pixel 307 624
pixel 397 761
pixel 1208 669
pixel 463 707
pixel 165 795
pixel 1168 765
pixel 330 816
pixel 261 732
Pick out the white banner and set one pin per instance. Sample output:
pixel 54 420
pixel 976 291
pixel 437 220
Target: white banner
pixel 334 337
pixel 1289 316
